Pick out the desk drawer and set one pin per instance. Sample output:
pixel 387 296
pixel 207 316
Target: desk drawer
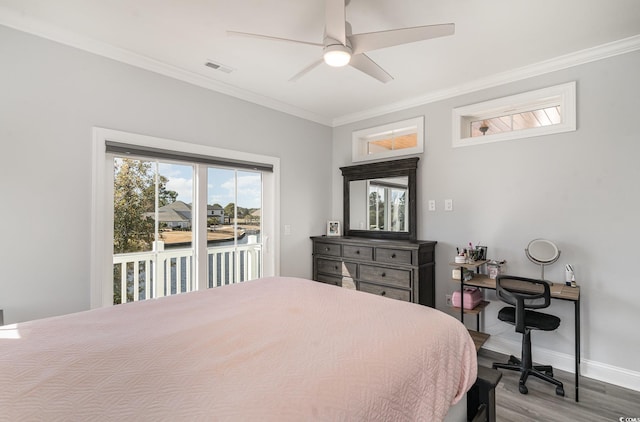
pixel 340 268
pixel 327 249
pixel 357 252
pixel 400 278
pixel 386 291
pixel 393 256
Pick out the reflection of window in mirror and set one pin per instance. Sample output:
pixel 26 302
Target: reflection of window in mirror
pixel 387 204
pixel 390 140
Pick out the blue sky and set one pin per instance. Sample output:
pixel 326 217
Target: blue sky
pixel 220 185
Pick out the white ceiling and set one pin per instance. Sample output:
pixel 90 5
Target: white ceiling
pixel 494 41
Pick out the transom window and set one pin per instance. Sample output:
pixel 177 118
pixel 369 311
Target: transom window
pixel 517 121
pixel 534 113
pixel 391 140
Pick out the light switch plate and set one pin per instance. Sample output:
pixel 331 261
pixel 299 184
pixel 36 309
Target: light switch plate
pixel 432 204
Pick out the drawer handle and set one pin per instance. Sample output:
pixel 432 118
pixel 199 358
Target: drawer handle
pixel 383 275
pixel 327 249
pixel 393 255
pixel 383 293
pixel 336 267
pixel 358 252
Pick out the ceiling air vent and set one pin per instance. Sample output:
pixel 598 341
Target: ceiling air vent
pixel 219 66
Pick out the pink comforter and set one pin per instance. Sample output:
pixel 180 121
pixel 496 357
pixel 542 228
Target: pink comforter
pixel 274 349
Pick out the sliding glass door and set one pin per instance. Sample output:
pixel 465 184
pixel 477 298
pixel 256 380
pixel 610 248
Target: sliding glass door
pixel 156 214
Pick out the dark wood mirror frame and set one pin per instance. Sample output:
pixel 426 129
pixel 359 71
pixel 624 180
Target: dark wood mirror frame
pixel 395 168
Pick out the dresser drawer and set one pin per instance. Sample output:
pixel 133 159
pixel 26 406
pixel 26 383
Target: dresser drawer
pixel 327 249
pixel 400 278
pixel 393 256
pixel 329 279
pixel 386 291
pixel 329 266
pixel 357 252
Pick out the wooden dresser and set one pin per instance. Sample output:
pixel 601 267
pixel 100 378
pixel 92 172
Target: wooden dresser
pixel 400 269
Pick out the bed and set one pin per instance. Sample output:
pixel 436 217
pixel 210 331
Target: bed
pixel 272 349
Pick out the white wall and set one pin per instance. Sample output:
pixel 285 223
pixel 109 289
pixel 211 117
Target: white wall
pixel 50 98
pixel 579 189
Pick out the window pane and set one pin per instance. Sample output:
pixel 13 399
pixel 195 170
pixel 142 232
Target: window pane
pixel 393 143
pixel 398 209
pixel 175 230
pixel 249 210
pixel 152 229
pixel 134 199
pixel 221 198
pixel 376 208
pixel 234 226
pixel 510 122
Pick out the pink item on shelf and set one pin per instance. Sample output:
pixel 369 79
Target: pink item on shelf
pixel 472 297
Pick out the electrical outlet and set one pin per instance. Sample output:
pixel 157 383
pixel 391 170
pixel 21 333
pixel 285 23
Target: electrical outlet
pixel 448 204
pixel 432 204
pixel 448 299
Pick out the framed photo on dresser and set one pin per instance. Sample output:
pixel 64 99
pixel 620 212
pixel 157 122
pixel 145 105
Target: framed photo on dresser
pixel 333 228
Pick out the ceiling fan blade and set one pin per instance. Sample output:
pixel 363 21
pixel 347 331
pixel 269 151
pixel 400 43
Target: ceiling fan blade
pixel 363 63
pixel 306 70
pixel 267 37
pixel 335 20
pixel 361 43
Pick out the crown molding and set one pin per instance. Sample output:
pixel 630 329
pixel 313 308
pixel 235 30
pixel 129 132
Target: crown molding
pixel 15 20
pixel 32 26
pixel 588 55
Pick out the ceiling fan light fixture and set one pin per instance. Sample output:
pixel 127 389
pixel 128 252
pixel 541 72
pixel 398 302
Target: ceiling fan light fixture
pixel 337 55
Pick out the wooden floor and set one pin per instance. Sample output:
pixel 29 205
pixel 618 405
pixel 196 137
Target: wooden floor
pixel 599 401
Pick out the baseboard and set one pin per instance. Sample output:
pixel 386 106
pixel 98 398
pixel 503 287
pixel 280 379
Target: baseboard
pixel 588 368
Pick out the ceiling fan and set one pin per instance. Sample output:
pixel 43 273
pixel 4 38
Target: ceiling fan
pixel 341 47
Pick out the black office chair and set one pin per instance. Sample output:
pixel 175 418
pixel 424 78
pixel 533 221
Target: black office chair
pixel 524 294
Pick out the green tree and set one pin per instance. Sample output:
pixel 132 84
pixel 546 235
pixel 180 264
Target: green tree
pixel 376 211
pixel 165 197
pixel 133 197
pixel 230 210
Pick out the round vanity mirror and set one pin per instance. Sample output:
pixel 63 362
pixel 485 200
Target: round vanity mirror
pixel 543 252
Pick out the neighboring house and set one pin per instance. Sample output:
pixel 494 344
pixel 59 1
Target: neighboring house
pixel 174 215
pixel 215 210
pixel 178 215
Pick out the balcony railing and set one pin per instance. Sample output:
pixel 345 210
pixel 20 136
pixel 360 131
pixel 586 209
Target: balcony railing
pixel 144 275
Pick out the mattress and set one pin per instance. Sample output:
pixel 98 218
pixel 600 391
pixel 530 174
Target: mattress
pixel 273 349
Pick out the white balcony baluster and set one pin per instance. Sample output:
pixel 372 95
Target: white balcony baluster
pixel 158 277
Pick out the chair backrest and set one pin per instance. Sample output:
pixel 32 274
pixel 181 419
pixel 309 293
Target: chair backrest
pixel 523 293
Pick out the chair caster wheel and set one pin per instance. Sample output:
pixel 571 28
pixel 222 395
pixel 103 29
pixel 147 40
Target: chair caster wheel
pixel 524 390
pixel 560 391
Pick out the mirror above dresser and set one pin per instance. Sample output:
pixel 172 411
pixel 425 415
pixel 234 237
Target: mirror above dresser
pixel 380 199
